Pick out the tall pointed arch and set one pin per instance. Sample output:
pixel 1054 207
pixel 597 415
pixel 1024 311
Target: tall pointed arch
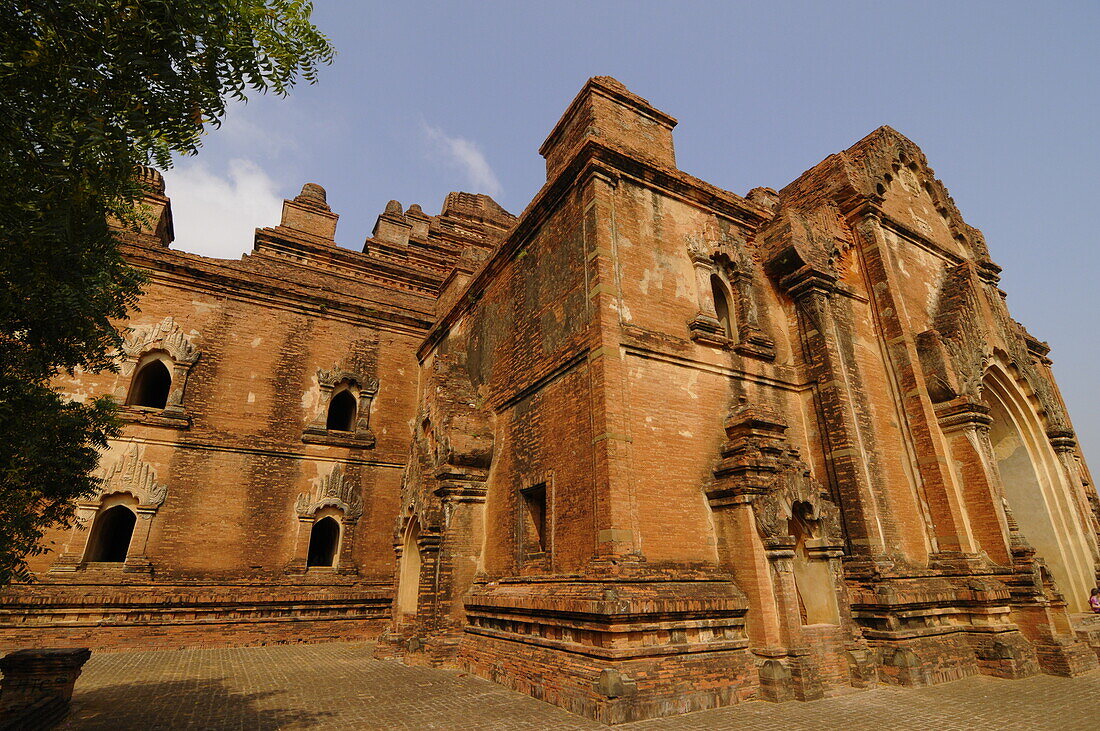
pixel 1036 488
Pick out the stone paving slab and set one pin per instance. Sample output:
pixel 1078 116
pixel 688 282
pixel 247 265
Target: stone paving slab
pixel 340 685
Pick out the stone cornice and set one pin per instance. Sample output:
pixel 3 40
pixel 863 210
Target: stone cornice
pixel 229 278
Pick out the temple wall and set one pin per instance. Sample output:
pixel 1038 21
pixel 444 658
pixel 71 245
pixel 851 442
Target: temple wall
pixel 521 348
pixel 234 475
pixel 651 447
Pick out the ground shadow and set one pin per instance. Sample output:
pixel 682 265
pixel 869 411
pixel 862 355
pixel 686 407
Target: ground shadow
pixel 206 703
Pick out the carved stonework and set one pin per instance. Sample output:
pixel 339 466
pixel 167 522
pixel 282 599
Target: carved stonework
pixel 956 354
pixel 130 474
pixel 726 254
pixel 760 466
pixel 333 490
pixel 166 335
pixel 334 376
pixel 795 485
pixel 364 388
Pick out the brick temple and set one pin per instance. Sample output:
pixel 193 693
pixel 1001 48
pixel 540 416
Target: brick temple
pixel 647 448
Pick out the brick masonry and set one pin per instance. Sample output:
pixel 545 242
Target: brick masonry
pixel 651 447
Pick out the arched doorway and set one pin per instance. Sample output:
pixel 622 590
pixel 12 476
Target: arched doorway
pixel 109 541
pixel 1036 488
pixel 408 590
pixel 324 538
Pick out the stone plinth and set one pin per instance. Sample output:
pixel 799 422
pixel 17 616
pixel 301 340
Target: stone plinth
pixel 38 685
pixel 614 650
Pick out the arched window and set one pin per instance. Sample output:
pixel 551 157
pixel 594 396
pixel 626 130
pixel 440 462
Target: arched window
pixel 111 533
pixel 722 305
pixel 323 541
pixel 151 385
pixel 341 412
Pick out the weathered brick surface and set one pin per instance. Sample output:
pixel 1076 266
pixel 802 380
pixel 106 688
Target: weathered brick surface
pixel 650 447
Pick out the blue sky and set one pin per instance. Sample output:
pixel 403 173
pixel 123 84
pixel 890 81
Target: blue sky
pixel 425 98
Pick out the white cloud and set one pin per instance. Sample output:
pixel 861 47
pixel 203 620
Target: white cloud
pixel 466 155
pixel 245 127
pixel 217 215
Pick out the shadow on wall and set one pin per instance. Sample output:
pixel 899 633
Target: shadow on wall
pixel 202 703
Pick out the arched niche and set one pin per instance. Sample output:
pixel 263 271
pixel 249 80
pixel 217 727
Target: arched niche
pixel 408 590
pixel 324 542
pixel 342 416
pixel 722 305
pixel 813 576
pixel 342 411
pixel 155 362
pixel 1036 488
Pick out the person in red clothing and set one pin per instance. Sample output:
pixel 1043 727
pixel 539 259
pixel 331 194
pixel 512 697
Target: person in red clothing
pixel 1094 601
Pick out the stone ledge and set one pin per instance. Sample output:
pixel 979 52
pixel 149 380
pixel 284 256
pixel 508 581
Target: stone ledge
pixel 351 440
pixel 165 418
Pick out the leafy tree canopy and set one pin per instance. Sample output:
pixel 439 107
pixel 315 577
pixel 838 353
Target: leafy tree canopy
pixel 89 91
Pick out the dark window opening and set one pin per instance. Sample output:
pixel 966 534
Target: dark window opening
pixel 110 539
pixel 323 539
pixel 721 305
pixel 341 412
pixel 151 386
pixel 534 507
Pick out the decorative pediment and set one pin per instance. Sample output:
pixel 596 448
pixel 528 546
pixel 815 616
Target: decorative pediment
pixel 720 249
pixel 760 466
pixel 801 245
pixel 794 485
pixel 334 490
pixel 727 249
pixel 361 436
pixel 329 379
pixel 130 474
pixel 166 335
pixel 955 354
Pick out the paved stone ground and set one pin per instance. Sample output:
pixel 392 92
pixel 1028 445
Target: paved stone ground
pixel 341 686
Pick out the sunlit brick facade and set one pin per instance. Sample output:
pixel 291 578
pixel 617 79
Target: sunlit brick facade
pixel 648 448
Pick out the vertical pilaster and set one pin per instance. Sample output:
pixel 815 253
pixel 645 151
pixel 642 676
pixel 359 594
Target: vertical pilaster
pixel 811 291
pixel 1065 446
pixel 617 531
pixel 936 485
pixel 136 560
pixel 741 552
pixel 965 425
pixel 297 565
pixel 345 562
pixel 73 553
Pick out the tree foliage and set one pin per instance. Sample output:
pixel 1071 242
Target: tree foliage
pixel 89 91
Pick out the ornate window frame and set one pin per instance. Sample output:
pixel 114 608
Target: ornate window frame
pixel 167 342
pixel 364 389
pixel 131 476
pixel 728 261
pixel 340 497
